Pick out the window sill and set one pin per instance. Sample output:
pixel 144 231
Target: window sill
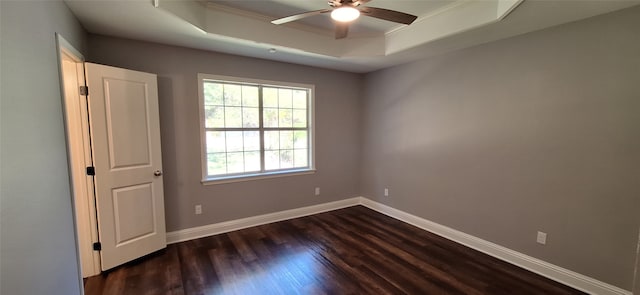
pixel 251 177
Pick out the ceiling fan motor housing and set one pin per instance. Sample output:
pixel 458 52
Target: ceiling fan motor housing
pixel 338 3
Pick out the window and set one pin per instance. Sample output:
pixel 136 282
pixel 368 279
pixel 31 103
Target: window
pixel 254 128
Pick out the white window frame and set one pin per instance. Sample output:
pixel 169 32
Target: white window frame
pixel 206 179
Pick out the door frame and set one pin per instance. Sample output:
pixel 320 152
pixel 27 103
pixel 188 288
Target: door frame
pixel 636 271
pixel 77 135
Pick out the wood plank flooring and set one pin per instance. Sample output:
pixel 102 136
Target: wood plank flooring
pixel 348 251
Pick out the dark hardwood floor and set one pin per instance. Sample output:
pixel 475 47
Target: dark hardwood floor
pixel 348 251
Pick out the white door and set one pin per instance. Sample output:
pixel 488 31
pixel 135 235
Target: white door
pixel 125 131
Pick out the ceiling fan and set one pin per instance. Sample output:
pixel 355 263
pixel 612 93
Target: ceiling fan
pixel 345 11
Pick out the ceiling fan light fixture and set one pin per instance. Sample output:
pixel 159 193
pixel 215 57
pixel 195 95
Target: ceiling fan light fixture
pixel 345 14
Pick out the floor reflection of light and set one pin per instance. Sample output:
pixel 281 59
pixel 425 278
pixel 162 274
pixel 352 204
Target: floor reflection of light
pixel 293 273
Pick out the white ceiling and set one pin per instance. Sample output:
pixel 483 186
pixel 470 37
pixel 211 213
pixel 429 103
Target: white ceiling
pixel 243 27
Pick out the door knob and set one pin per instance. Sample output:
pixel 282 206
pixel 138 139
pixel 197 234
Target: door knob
pixel 157 173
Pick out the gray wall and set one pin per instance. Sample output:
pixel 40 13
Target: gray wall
pixel 337 131
pixel 536 132
pixel 38 248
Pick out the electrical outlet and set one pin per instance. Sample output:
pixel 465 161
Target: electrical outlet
pixel 198 209
pixel 386 192
pixel 542 238
pixel 317 191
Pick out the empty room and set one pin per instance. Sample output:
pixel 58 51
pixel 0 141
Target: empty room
pixel 314 147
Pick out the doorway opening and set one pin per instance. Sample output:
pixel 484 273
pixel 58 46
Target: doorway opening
pixel 76 119
pixel 115 161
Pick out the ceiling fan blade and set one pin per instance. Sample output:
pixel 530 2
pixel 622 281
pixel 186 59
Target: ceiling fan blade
pixel 390 15
pixel 342 29
pixel 299 16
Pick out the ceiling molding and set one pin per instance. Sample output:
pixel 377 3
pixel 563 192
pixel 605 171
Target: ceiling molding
pixel 252 27
pixel 429 15
pixel 458 18
pixel 507 6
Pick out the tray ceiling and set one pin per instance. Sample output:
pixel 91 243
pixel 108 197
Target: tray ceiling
pixel 243 27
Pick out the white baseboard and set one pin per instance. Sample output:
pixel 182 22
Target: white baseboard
pixel 227 226
pixel 554 272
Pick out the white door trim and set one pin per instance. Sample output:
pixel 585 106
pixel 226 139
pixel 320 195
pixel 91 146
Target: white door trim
pixel 636 271
pixel 78 155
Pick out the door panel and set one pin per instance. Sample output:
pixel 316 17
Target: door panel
pixel 128 134
pixel 134 213
pixel 123 110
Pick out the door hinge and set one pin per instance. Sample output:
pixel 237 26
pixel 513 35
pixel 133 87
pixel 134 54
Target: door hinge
pixel 84 90
pixel 91 171
pixel 97 246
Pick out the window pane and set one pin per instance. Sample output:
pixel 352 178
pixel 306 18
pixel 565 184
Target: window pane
pixel 300 158
pixel 271 160
pixel 284 98
pixel 215 142
pixel 251 140
pixel 240 144
pixel 285 118
pixel 214 117
pixel 232 95
pixel 234 141
pixel 286 158
pixel 216 164
pixel 270 97
pixel 299 118
pixel 270 117
pixel 286 139
pixel 250 117
pixel 251 161
pixel 271 140
pixel 300 139
pixel 299 99
pixel 212 93
pixel 232 117
pixel 250 96
pixel 235 162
